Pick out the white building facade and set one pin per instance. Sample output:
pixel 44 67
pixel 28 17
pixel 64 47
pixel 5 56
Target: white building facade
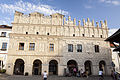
pixel 4 43
pixel 41 43
pixel 115 58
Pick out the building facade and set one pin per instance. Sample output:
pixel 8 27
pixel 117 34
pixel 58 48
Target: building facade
pixel 4 43
pixel 41 43
pixel 114 39
pixel 115 58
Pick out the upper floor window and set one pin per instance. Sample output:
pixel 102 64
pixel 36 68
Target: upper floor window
pixel 4 46
pixel 48 34
pixel 70 47
pixel 3 34
pixel 101 36
pixel 26 32
pixel 96 48
pixel 79 48
pixel 83 35
pixel 32 46
pixel 92 35
pixel 37 32
pixel 21 46
pixel 73 35
pixel 51 47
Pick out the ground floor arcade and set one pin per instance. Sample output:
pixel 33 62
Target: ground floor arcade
pixel 54 67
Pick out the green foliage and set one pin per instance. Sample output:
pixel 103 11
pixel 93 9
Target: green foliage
pixel 3 71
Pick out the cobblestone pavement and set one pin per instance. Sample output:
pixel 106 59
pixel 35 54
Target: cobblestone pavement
pixel 19 77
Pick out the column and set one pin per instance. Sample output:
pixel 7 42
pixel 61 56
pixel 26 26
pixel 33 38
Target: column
pixel 10 68
pixel 61 69
pixel 45 67
pixel 81 67
pixel 95 69
pixel 28 68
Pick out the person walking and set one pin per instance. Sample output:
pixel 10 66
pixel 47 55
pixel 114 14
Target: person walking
pixel 101 75
pixel 45 75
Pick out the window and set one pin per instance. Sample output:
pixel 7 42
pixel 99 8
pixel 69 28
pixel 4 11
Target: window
pixel 3 34
pixel 79 48
pixel 83 35
pixel 4 46
pixel 37 32
pixel 101 36
pixel 92 35
pixel 96 48
pixel 74 35
pixel 21 46
pixel 48 34
pixel 26 32
pixel 70 47
pixel 51 47
pixel 32 46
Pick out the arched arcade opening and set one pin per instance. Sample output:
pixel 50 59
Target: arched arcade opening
pixel 53 67
pixel 19 67
pixel 71 65
pixel 37 67
pixel 102 66
pixel 88 67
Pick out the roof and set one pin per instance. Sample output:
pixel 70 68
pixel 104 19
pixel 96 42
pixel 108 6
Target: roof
pixel 117 49
pixel 115 37
pixel 112 45
pixel 5 27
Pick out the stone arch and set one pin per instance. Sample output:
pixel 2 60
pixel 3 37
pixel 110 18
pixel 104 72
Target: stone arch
pixel 88 67
pixel 102 66
pixel 19 67
pixel 71 65
pixel 37 59
pixel 14 60
pixel 50 59
pixel 53 67
pixel 37 67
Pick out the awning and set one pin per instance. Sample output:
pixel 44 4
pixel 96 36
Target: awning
pixel 117 49
pixel 115 37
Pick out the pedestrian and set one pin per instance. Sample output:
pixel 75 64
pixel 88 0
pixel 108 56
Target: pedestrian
pixel 45 75
pixel 74 70
pixel 101 74
pixel 112 75
pixel 87 73
pixel 81 72
pixel 78 73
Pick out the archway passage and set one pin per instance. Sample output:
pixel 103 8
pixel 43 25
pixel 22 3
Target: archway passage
pixel 53 67
pixel 1 64
pixel 71 65
pixel 88 67
pixel 19 67
pixel 102 66
pixel 37 67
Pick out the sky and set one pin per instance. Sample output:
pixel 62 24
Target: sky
pixel 94 9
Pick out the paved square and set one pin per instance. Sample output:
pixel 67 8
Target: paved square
pixel 19 77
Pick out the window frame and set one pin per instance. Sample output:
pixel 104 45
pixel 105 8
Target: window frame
pixel 51 47
pixel 31 46
pixel 4 46
pixel 79 47
pixel 21 46
pixel 3 34
pixel 70 47
pixel 97 49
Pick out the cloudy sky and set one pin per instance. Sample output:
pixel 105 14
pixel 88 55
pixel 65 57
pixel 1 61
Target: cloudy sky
pixel 79 9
